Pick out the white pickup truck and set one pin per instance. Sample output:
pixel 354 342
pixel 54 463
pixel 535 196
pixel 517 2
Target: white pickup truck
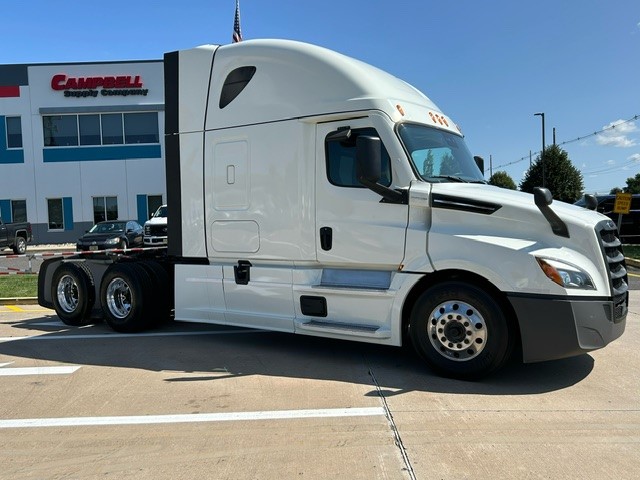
pixel 155 229
pixel 312 193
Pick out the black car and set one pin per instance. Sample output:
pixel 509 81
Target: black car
pixel 112 234
pixel 630 226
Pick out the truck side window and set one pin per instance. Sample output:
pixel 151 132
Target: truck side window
pixel 234 84
pixel 341 160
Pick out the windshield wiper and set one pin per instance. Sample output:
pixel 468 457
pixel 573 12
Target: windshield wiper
pixel 453 178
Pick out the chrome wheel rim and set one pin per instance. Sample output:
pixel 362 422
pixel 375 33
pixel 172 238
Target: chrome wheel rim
pixel 118 298
pixel 67 294
pixel 457 331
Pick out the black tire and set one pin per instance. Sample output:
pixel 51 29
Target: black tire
pixel 73 293
pixel 162 291
pixel 122 245
pixel 460 331
pixel 20 246
pixel 126 295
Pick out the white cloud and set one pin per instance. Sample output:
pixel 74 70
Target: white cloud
pixel 611 162
pixel 617 134
pixel 635 157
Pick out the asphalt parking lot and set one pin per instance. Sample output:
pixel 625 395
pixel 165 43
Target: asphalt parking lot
pixel 198 401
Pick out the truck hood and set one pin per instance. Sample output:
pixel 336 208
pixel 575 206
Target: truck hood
pixel 513 206
pixel 156 221
pixel 467 221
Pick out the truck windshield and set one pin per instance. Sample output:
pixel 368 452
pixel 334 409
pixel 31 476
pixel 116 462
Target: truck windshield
pixel 161 212
pixel 439 156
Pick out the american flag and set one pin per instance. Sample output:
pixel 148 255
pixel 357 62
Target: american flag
pixel 237 34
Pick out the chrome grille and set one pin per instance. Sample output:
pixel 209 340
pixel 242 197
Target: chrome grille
pixel 155 230
pixel 614 258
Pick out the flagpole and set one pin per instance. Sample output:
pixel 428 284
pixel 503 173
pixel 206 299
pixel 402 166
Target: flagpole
pixel 237 33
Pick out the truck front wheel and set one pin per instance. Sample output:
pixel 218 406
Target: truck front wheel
pixel 73 293
pixel 460 331
pixel 126 296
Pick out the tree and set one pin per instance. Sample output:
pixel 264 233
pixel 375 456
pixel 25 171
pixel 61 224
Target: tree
pixel 503 180
pixel 633 184
pixel 562 178
pixel 427 165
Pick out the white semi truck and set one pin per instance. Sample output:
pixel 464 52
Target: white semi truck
pixel 312 193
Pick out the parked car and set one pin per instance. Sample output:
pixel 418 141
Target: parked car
pixel 155 229
pixel 112 234
pixel 630 226
pixel 15 235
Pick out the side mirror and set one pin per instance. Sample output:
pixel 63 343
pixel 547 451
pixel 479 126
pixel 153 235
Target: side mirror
pixel 369 168
pixel 591 202
pixel 369 159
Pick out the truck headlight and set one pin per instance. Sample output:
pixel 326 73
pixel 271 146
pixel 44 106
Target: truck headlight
pixel 565 275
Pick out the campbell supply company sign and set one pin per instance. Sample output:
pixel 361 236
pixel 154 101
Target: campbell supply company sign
pixel 107 86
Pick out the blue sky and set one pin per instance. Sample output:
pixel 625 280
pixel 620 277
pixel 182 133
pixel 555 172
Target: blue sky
pixel 490 65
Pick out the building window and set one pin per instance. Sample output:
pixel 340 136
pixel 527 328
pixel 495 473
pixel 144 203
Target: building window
pixel 105 208
pixel 19 210
pixel 14 132
pixel 100 129
pixel 112 129
pixel 89 129
pixel 153 203
pixel 141 128
pixel 60 131
pixel 56 215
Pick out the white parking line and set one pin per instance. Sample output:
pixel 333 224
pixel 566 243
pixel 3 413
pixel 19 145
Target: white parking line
pixel 191 418
pixel 128 335
pixel 19 371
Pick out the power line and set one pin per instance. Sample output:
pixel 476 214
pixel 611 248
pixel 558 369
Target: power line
pixel 583 137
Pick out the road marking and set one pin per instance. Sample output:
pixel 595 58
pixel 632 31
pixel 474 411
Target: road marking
pixel 127 335
pixel 19 371
pixel 14 308
pixel 191 418
pixel 633 274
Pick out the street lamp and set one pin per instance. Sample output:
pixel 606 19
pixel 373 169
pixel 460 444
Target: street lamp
pixel 541 114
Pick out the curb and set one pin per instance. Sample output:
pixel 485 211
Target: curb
pixel 19 301
pixel 633 262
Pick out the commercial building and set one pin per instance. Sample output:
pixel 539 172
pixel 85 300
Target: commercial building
pixel 80 143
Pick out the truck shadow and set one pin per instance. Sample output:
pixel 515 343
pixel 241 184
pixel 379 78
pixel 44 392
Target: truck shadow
pixel 198 353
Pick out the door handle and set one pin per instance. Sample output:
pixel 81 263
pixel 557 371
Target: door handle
pixel 326 238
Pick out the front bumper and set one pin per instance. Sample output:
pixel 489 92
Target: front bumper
pixel 553 328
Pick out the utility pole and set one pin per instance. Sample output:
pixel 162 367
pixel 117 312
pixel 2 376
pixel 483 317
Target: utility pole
pixel 544 173
pixel 554 136
pixel 490 166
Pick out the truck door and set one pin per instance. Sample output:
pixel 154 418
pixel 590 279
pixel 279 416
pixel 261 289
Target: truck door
pixel 354 227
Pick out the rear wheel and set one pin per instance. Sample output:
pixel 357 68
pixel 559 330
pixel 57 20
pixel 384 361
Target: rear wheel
pixel 73 293
pixel 20 246
pixel 126 295
pixel 460 331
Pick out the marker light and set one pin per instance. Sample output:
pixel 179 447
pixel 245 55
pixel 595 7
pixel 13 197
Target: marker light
pixel 400 109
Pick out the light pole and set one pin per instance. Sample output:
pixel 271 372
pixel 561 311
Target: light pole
pixel 541 114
